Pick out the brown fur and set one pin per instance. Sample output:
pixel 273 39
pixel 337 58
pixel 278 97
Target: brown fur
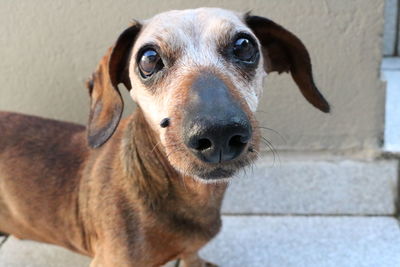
pixel 125 192
pixel 123 198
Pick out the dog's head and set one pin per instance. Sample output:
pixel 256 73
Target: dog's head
pixel 197 75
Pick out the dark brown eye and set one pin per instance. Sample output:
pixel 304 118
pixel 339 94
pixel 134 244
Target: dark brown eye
pixel 244 50
pixel 149 63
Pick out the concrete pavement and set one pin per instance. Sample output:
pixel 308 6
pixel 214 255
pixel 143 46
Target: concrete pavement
pixel 262 241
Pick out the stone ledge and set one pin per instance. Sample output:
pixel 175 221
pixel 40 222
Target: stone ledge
pixel 391 63
pixel 334 187
pixel 24 253
pixel 260 241
pixel 391 74
pixel 306 241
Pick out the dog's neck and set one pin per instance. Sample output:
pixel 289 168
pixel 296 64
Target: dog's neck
pixel 164 191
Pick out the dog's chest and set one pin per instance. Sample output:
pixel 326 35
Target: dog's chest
pixel 172 233
pixel 169 241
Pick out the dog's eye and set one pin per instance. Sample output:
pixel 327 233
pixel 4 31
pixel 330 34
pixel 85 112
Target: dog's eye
pixel 149 63
pixel 244 50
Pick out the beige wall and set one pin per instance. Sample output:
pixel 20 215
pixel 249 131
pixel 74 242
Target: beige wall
pixel 49 47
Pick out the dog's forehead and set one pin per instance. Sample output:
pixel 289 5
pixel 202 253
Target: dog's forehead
pixel 194 25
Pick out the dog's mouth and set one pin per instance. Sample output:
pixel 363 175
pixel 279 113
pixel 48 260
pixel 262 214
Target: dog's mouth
pixel 221 171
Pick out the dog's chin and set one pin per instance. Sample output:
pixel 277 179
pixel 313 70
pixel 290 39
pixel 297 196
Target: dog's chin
pixel 214 175
pixel 217 173
pixel 209 172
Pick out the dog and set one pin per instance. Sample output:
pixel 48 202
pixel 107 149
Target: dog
pixel 147 189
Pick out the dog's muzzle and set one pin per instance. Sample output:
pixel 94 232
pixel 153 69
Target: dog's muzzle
pixel 216 129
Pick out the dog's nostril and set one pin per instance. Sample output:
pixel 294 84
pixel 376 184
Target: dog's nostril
pixel 203 144
pixel 238 141
pixel 216 143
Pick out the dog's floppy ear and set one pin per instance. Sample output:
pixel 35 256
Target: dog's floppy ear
pixel 106 103
pixel 284 52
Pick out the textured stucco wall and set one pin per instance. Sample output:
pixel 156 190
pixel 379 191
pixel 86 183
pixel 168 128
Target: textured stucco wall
pixel 49 47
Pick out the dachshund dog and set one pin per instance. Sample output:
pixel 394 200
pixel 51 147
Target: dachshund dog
pixel 147 189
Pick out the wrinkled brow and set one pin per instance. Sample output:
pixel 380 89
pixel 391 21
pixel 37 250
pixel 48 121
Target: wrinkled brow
pixel 171 46
pixel 174 41
pixel 224 39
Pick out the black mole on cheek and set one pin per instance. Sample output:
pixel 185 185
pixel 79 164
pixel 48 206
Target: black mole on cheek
pixel 164 123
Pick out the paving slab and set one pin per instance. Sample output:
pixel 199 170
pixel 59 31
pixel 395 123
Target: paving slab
pixel 306 241
pixel 24 253
pixel 262 241
pixel 315 187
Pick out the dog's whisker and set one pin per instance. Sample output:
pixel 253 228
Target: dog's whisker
pixel 269 148
pixel 174 151
pixel 154 147
pixel 274 131
pixel 172 145
pixel 272 149
pixel 245 171
pixel 251 165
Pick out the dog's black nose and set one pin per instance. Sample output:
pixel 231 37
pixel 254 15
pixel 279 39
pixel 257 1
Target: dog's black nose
pixel 218 142
pixel 215 128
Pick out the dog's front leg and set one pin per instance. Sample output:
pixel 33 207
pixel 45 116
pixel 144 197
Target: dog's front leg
pixel 110 258
pixel 96 262
pixel 101 261
pixel 194 260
